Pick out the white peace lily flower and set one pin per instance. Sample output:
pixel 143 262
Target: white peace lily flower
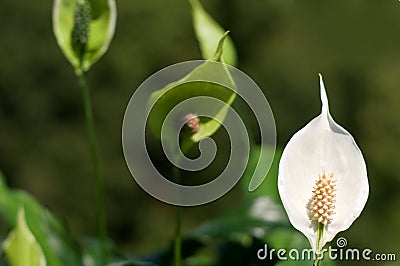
pixel 322 179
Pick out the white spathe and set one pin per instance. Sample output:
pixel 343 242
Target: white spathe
pixel 322 146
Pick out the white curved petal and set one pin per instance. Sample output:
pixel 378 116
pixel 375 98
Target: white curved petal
pixel 322 146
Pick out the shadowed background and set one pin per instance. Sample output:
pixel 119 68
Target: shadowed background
pixel 282 45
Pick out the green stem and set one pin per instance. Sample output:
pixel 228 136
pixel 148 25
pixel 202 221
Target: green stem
pixel 320 236
pixel 317 261
pixel 178 239
pixel 100 199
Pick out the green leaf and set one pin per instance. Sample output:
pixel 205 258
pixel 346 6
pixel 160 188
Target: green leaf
pixel 253 217
pixel 288 239
pixel 211 79
pixel 93 250
pixel 208 32
pixel 49 231
pixel 269 187
pixel 84 29
pixel 132 263
pixel 21 247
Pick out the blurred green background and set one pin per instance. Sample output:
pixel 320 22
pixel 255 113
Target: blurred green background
pixel 282 45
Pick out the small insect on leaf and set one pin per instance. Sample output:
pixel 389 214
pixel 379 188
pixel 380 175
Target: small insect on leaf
pixel 192 122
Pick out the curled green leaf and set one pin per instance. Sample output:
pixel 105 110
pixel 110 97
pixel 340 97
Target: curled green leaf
pixel 84 29
pixel 210 79
pixel 208 32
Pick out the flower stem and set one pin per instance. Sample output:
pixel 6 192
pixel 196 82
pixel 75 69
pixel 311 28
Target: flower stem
pixel 178 240
pixel 100 199
pixel 320 236
pixel 317 262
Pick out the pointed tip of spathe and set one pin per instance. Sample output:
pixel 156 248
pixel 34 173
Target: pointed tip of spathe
pixel 324 97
